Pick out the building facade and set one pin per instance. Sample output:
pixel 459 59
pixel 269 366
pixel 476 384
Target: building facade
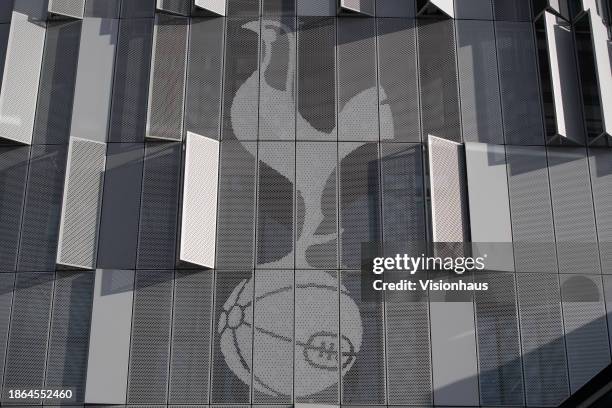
pixel 186 189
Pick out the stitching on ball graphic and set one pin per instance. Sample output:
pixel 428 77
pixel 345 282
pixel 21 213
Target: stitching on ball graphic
pixel 313 359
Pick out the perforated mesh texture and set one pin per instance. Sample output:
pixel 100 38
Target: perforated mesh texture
pixel 102 8
pixel 511 10
pixel 278 7
pixel 243 8
pixel 7 281
pixel 70 8
pixel 182 7
pixel 600 162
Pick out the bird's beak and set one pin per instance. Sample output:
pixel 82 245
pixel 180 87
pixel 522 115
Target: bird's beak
pixel 252 25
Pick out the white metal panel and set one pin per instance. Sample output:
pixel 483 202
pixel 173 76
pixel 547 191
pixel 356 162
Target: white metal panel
pixel 214 6
pixel 68 8
pixel 199 220
pixel 446 6
pixel 358 6
pixel 21 78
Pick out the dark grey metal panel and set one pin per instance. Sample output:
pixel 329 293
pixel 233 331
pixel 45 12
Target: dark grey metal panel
pixel 277 83
pixel 7 282
pixel 137 9
pixel 13 171
pixel 131 81
pixel 182 7
pixel 243 8
pixel 278 7
pixel 600 163
pixel 316 113
pixel 4 36
pixel 241 85
pixel 531 210
pixel 586 330
pixel 511 10
pixel 499 353
pixel 236 209
pixel 233 338
pixel 473 10
pixel 168 78
pixel 357 83
pixel 102 8
pixel 543 346
pixel 316 7
pixel 398 93
pixel 275 192
pixel 43 204
pixel 27 343
pixel 273 336
pixel 191 325
pixel 69 337
pixel 478 82
pixel 118 240
pixel 6 9
pixel 359 200
pixel 56 89
pixel 438 76
pixel 316 227
pixel 607 288
pixel 150 347
pixel 159 206
pixel 204 77
pixel 518 76
pixel 395 8
pixel 572 202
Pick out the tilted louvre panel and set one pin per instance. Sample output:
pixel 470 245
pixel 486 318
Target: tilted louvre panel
pixel 69 338
pixel 359 200
pixel 542 339
pixel 43 204
pixel 213 6
pixel 511 10
pixel 27 344
pixel 277 94
pixel 13 170
pixel 241 84
pixel 21 78
pixel 398 91
pixel 316 100
pixel 600 162
pixel 69 8
pixel 586 334
pixel 359 6
pixel 316 205
pixel 204 77
pixel 181 7
pixel 131 81
pixel 7 282
pixel 78 238
pixel 191 325
pixel 572 202
pixel 56 92
pixel 448 196
pixel 275 218
pixel 357 84
pixel 501 375
pixel 408 349
pixel 150 347
pixel 273 336
pixel 530 210
pixel 438 75
pixel 518 78
pixel 478 82
pixel 236 219
pixel 167 82
pixel 159 206
pixel 364 383
pixel 199 215
pixel 232 348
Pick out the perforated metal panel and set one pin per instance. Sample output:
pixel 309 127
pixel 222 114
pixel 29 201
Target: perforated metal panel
pixel 13 170
pixel 21 78
pixel 4 35
pixel 365 7
pixel 316 113
pixel 204 77
pixel 394 8
pixel 572 202
pixel 316 7
pixel 191 325
pixel 102 8
pixel 438 76
pixel 511 10
pixel 56 91
pixel 7 282
pixel 167 81
pixel 69 8
pixel 518 76
pixel 243 8
pixel 398 93
pixel 478 82
pixel 530 210
pixel 150 346
pixel 275 204
pixel 182 7
pixel 278 7
pixel 69 338
pixel 474 10
pixel 81 206
pixel 199 212
pixel 499 353
pixel 138 8
pixel 43 203
pixel 543 347
pixel 159 206
pixel 241 85
pixel 213 6
pixel 131 81
pixel 357 84
pixel 236 220
pixel 27 343
pixel 359 200
pixel 600 166
pixel 316 227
